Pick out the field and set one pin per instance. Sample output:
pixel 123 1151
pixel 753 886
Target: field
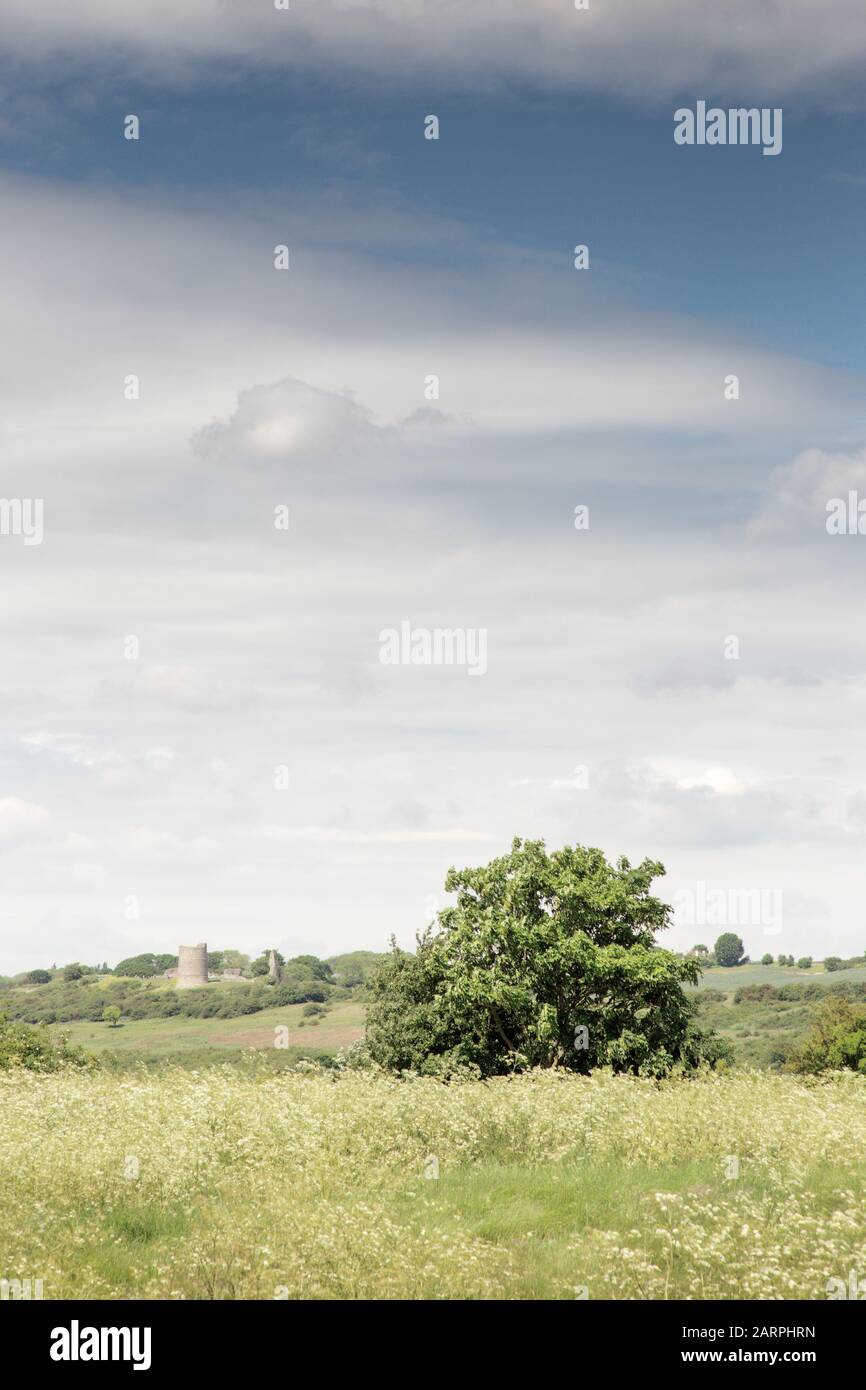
pixel 189 1039
pixel 184 1184
pixel 718 977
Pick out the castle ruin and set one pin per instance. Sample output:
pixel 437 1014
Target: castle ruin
pixel 192 966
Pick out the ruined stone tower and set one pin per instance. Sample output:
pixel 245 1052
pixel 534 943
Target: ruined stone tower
pixel 273 968
pixel 191 966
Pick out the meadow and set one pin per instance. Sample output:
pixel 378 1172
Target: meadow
pixel 195 1040
pixel 732 977
pixel 177 1183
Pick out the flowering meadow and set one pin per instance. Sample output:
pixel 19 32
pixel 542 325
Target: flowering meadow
pixel 350 1184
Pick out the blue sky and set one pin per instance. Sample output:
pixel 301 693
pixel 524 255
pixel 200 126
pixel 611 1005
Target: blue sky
pixel 152 781
pixel 770 246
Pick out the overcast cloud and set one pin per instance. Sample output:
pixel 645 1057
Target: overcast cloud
pixel 652 48
pixel 611 711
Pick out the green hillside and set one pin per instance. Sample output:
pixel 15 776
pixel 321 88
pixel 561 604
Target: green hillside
pixel 189 1040
pixel 227 1018
pixel 730 978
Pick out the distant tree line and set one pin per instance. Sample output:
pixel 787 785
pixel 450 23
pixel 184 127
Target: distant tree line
pixel 729 951
pixel 66 1001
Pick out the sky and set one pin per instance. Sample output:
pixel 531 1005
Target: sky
pixel 199 740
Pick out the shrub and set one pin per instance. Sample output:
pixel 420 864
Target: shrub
pixel 789 993
pixel 759 992
pixel 837 1040
pixel 35 1049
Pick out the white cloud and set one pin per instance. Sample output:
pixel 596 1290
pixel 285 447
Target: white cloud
pixel 22 821
pixel 332 835
pixel 654 48
pixel 719 781
pixel 345 372
pixel 80 750
pixel 258 649
pixel 288 421
pixel 798 492
pixel 181 688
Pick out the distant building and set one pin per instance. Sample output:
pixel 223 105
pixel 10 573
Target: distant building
pixel 192 966
pixel 171 973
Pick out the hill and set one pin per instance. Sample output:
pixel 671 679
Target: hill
pixel 160 1023
pixel 731 977
pixel 285 1034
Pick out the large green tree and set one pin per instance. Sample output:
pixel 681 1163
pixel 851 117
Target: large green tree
pixel 729 949
pixel 545 960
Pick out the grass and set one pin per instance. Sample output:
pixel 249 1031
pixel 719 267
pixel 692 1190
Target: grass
pixel 220 1184
pixel 164 1038
pixel 721 977
pixel 760 1031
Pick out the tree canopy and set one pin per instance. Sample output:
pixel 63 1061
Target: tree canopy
pixel 545 960
pixel 147 964
pixel 729 949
